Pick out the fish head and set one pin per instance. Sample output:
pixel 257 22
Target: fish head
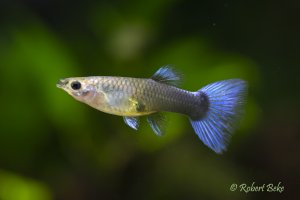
pixel 81 88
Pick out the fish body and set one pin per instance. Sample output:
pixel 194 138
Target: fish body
pixel 213 110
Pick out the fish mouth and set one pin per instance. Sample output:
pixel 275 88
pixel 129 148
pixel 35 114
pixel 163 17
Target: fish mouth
pixel 61 83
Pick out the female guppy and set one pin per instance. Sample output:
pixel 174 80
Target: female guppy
pixel 213 110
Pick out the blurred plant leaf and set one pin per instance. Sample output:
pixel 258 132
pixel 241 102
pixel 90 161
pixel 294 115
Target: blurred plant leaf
pixel 15 187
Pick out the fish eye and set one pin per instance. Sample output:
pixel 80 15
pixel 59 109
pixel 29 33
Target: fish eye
pixel 76 85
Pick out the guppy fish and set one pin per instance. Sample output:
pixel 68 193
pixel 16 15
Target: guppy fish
pixel 213 110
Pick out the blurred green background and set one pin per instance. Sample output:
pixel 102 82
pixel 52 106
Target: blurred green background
pixel 53 147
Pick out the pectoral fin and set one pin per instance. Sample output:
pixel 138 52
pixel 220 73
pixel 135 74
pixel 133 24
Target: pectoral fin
pixel 157 121
pixel 132 122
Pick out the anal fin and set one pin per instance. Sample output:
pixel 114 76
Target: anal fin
pixel 157 122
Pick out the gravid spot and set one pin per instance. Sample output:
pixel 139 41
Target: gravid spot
pixel 140 107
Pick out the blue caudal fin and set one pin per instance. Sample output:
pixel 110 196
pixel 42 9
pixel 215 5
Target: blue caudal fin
pixel 225 105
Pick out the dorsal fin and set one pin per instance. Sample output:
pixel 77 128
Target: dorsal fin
pixel 167 75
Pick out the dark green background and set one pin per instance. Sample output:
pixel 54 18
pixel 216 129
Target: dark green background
pixel 53 147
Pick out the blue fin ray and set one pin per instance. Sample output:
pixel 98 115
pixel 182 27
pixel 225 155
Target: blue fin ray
pixel 132 122
pixel 226 99
pixel 167 75
pixel 157 122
